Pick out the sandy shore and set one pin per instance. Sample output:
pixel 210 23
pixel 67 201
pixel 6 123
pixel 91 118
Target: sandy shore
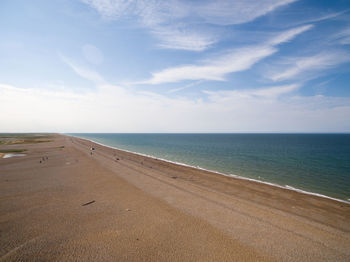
pixel 118 206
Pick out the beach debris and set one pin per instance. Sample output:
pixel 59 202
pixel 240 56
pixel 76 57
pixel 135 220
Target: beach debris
pixel 88 203
pixel 174 177
pixel 40 161
pixel 127 209
pixel 137 239
pixel 92 148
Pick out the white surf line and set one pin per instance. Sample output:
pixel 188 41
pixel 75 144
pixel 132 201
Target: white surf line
pixel 286 187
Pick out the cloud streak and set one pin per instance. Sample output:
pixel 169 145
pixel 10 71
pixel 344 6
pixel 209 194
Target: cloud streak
pixel 343 37
pixel 265 93
pixel 172 21
pixel 230 12
pixel 295 67
pixel 233 61
pixel 183 39
pixel 82 71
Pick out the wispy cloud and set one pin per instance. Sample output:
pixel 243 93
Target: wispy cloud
pixel 343 37
pixel 321 18
pixel 166 20
pixel 216 12
pixel 83 71
pixel 288 35
pixel 291 68
pixel 274 91
pixel 230 12
pixel 184 87
pixel 266 92
pixel 234 111
pixel 233 61
pixel 172 21
pixel 173 37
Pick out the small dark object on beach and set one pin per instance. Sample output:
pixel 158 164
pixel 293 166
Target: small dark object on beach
pixel 174 177
pixel 137 239
pixel 40 161
pixel 88 203
pixel 117 158
pixel 47 158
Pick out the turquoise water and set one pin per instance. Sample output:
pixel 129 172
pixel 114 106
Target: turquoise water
pixel 318 163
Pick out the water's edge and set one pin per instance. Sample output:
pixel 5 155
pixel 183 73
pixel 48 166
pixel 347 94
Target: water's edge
pixel 286 187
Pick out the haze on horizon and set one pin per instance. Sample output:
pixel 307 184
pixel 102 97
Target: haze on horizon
pixel 174 66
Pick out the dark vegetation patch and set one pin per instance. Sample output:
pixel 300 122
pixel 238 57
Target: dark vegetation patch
pixel 14 139
pixel 13 150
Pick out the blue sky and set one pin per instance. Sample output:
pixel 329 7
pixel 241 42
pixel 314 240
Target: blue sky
pixel 174 66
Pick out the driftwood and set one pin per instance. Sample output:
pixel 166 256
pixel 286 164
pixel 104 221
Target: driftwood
pixel 88 203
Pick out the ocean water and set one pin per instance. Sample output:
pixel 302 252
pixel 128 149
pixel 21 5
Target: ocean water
pixel 318 163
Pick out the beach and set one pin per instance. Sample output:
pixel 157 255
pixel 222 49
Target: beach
pixel 106 204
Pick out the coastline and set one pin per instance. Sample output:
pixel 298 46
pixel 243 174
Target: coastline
pixel 286 187
pixel 65 202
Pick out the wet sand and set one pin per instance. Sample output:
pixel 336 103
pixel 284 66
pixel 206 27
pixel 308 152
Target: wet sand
pixel 118 206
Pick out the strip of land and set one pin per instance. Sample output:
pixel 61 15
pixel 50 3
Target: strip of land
pixel 63 201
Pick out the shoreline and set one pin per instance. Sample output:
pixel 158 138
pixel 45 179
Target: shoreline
pixel 286 187
pixel 63 202
pixel 58 203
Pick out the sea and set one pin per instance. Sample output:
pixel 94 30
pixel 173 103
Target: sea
pixel 312 163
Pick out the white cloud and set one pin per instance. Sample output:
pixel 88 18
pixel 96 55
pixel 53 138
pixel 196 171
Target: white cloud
pixel 294 67
pixel 289 35
pixel 184 87
pixel 164 19
pixel 172 21
pixel 115 109
pixel 343 37
pixel 216 12
pixel 321 18
pixel 228 12
pixel 266 92
pixel 83 72
pixel 176 38
pixel 113 8
pixel 275 91
pixel 110 108
pixel 234 61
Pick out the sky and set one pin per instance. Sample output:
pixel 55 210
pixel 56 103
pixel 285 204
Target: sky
pixel 174 66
